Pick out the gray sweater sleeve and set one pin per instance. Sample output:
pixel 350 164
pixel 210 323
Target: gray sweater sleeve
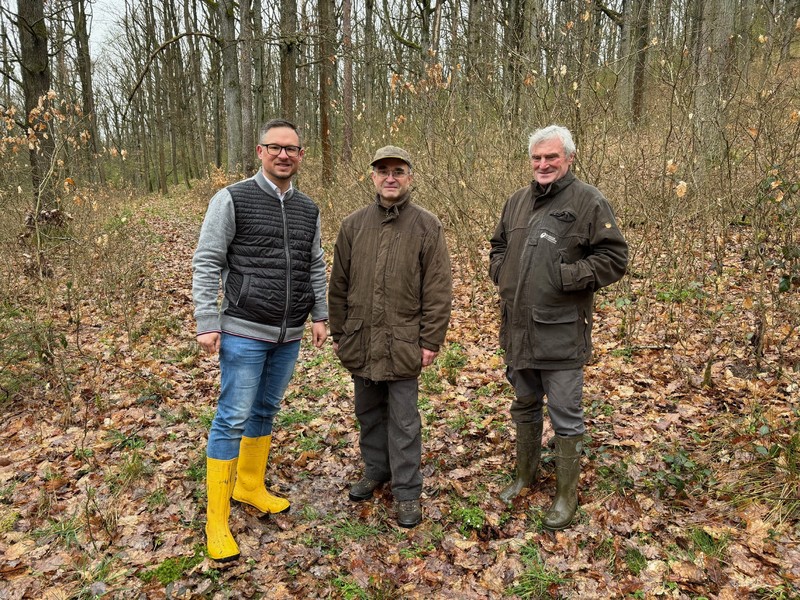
pixel 210 263
pixel 318 277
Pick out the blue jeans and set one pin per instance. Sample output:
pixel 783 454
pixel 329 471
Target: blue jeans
pixel 254 377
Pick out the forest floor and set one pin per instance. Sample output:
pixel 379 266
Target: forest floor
pixel 689 487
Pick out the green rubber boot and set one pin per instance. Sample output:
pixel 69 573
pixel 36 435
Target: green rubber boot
pixel 568 473
pixel 529 450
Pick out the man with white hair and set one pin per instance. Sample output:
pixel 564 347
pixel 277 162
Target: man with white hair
pixel 557 243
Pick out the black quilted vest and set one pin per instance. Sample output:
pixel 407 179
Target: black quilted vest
pixel 269 280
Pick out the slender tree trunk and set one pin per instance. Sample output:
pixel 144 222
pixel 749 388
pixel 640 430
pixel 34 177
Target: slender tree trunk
pixel 790 44
pixel 246 77
pixel 35 67
pixel 368 87
pixel 635 29
pixel 260 83
pixel 712 89
pixel 6 65
pixel 326 75
pixel 197 100
pixel 156 95
pixel 288 46
pixel 84 62
pixel 347 82
pixel 231 84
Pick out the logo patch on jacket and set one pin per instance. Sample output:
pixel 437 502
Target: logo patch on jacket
pixel 548 237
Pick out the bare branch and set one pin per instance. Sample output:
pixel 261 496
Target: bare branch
pixel 153 56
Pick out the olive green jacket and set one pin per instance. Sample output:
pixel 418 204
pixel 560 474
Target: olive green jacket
pixel 390 291
pixel 552 249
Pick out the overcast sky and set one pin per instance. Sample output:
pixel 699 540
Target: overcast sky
pixel 104 14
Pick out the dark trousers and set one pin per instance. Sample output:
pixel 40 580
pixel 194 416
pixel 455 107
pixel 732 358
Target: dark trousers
pixel 564 391
pixel 390 439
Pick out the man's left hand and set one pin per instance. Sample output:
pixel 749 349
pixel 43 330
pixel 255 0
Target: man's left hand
pixel 428 356
pixel 319 333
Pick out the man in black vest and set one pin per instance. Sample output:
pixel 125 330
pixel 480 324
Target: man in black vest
pixel 261 240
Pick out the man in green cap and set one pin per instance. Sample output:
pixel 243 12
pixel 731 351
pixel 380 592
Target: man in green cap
pixel 389 306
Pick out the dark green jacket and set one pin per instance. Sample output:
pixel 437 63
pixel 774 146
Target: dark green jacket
pixel 390 290
pixel 552 249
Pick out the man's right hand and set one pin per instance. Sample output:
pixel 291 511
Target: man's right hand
pixel 209 341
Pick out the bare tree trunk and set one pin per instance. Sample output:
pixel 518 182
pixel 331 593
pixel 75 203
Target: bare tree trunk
pixel 712 89
pixel 326 75
pixel 197 102
pixel 231 84
pixel 246 77
pixel 474 61
pixel 260 85
pixel 35 68
pixel 790 47
pixel 369 59
pixel 157 99
pixel 6 65
pixel 84 61
pixel 630 87
pixel 288 45
pixel 347 82
pixel 171 90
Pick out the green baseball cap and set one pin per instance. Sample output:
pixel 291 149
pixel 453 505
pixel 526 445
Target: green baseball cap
pixel 391 152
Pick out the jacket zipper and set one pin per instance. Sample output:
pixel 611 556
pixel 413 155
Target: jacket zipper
pixel 288 255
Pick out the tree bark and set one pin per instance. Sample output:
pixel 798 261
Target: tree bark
pixel 712 89
pixel 35 67
pixel 84 63
pixel 326 60
pixel 630 86
pixel 232 90
pixel 246 77
pixel 347 82
pixel 156 96
pixel 288 46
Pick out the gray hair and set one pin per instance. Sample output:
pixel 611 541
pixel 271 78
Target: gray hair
pixel 550 132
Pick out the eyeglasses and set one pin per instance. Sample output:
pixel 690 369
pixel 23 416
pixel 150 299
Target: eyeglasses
pixel 396 173
pixel 275 150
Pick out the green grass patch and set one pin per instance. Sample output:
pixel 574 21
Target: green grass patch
pixel 124 441
pixel 635 561
pixel 354 530
pixel 173 569
pixel 451 360
pixel 537 580
pixel 66 531
pixel 468 516
pixel 704 542
pixel 295 416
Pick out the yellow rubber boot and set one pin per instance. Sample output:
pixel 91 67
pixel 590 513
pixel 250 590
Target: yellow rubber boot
pixel 250 488
pixel 219 482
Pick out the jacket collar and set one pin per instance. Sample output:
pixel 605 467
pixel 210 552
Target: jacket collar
pixel 554 188
pixel 394 210
pixel 269 187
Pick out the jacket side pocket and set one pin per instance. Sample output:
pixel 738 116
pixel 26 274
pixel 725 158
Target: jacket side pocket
pixel 557 333
pixel 406 353
pixel 351 344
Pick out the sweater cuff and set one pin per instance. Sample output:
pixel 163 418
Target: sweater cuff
pixel 207 324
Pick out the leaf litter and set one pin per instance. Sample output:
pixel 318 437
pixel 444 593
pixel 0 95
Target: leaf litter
pixel 684 491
